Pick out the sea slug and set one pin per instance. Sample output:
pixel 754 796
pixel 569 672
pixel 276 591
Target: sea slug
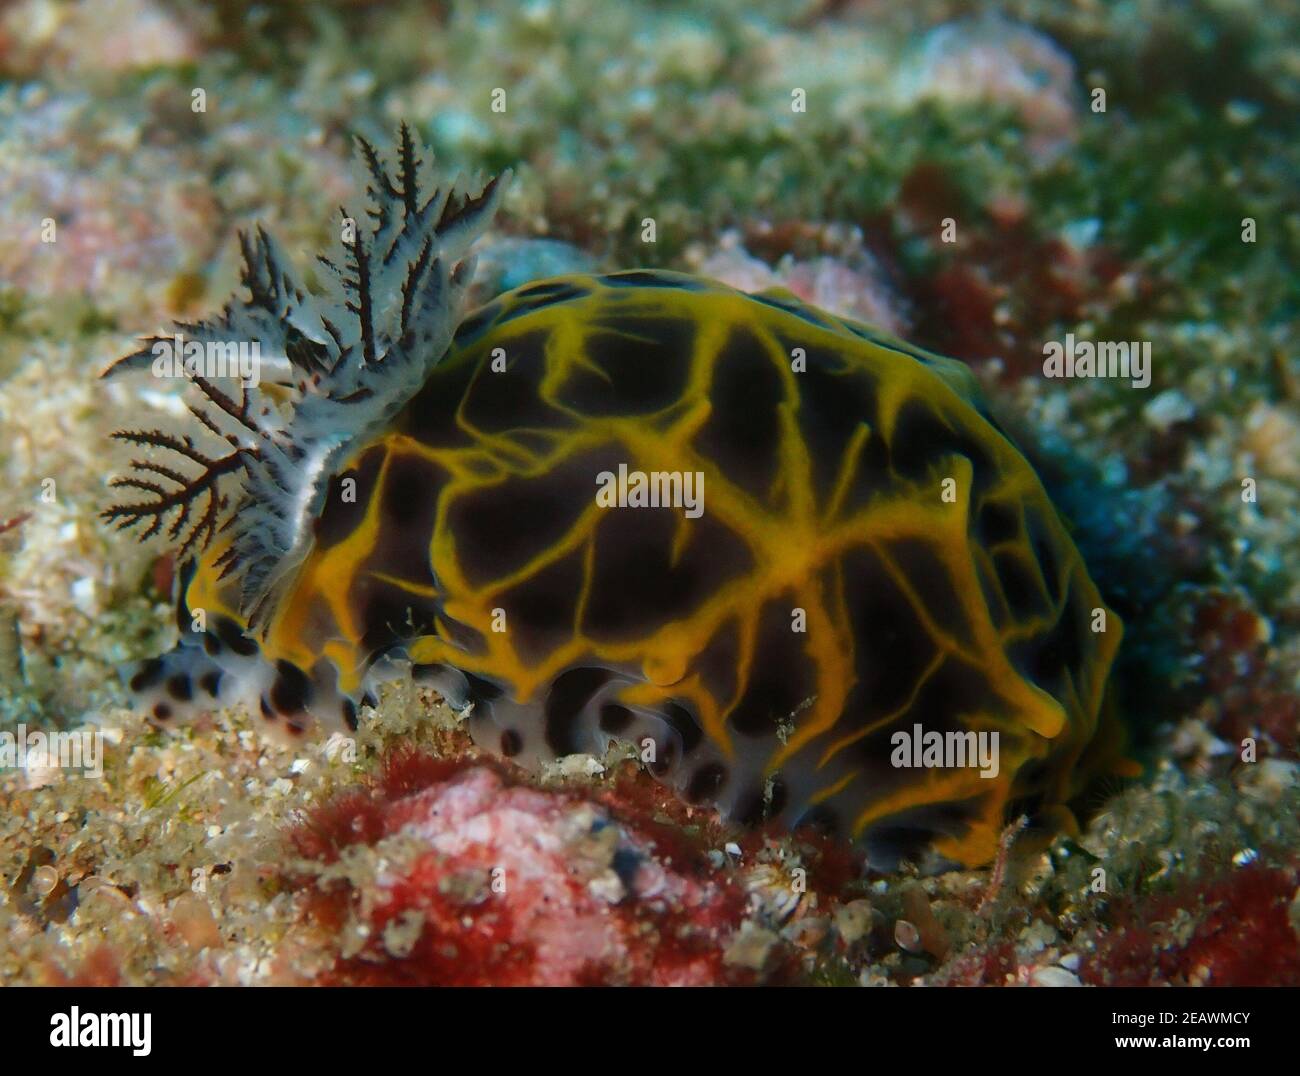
pixel 407 490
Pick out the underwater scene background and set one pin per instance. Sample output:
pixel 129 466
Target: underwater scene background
pixel 999 183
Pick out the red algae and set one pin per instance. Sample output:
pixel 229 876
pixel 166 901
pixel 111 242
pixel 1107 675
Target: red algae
pixel 1250 699
pixel 100 967
pixel 994 964
pixel 355 817
pixel 1002 285
pixel 475 878
pixel 1229 930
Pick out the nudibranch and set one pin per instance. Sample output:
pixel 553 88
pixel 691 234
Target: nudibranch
pixel 763 544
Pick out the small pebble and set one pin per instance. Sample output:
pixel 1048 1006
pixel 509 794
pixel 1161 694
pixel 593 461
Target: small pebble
pixel 44 881
pixel 907 937
pixel 749 948
pixel 192 917
pixel 1053 975
pixel 1037 936
pixel 853 921
pixel 1167 408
